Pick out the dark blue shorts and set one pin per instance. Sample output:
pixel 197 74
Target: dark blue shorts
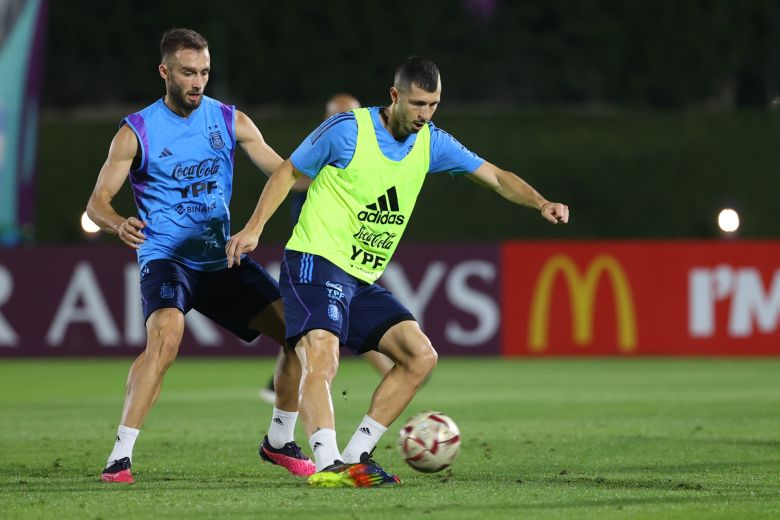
pixel 319 295
pixel 230 297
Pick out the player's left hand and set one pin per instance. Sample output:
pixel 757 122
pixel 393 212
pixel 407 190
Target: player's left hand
pixel 240 243
pixel 555 212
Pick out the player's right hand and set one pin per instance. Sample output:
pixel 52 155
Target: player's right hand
pixel 129 232
pixel 555 212
pixel 240 243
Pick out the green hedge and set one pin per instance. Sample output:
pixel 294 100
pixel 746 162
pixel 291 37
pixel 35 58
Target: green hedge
pixel 624 175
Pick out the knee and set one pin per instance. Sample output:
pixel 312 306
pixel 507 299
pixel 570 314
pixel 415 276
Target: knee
pixel 163 351
pixel 427 357
pixel 163 344
pixel 423 358
pixel 322 367
pixel 321 359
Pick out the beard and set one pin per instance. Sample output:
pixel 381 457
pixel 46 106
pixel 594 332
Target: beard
pixel 179 97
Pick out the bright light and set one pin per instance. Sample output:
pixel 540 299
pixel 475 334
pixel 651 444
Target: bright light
pixel 728 220
pixel 87 224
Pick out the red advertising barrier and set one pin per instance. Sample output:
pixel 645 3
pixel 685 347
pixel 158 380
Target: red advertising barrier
pixel 86 301
pixel 641 298
pixel 517 299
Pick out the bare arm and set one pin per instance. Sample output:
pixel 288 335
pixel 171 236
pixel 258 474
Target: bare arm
pixel 302 184
pixel 275 191
pixel 252 142
pixel 515 189
pixel 112 175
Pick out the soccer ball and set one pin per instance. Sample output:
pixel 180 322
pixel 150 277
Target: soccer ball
pixel 429 441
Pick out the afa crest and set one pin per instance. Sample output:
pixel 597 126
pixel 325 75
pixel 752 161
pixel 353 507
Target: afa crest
pixel 215 139
pixel 167 291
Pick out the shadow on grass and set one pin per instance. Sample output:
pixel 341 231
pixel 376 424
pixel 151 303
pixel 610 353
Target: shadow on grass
pixel 93 484
pixel 712 468
pixel 622 503
pixel 760 443
pixel 47 479
pixel 699 436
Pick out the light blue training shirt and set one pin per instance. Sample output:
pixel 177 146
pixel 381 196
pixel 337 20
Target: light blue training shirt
pixel 334 141
pixel 184 181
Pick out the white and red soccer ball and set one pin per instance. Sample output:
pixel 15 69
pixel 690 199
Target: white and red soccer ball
pixel 429 441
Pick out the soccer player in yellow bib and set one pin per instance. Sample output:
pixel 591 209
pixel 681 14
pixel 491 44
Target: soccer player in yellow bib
pixel 367 166
pixel 337 104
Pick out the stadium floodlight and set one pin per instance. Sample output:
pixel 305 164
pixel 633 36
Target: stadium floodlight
pixel 87 225
pixel 728 220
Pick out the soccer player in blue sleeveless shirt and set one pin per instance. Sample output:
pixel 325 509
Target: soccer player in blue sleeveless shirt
pixel 178 153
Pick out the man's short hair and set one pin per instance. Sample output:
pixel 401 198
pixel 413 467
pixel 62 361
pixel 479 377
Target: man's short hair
pixel 418 71
pixel 176 39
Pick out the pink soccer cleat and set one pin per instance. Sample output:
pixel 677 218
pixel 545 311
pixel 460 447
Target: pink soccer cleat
pixel 288 456
pixel 118 471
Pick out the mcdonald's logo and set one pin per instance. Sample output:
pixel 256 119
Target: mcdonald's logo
pixel 582 295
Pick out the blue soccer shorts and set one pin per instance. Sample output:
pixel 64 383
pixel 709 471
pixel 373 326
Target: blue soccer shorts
pixel 230 297
pixel 317 294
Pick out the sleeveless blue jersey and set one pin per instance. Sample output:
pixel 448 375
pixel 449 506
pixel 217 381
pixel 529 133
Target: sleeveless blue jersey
pixel 183 184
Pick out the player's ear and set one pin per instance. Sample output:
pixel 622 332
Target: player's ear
pixel 163 69
pixel 393 94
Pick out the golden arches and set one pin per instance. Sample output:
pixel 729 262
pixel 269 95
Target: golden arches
pixel 582 294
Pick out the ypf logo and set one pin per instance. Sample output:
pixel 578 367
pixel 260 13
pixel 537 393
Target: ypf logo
pixel 582 297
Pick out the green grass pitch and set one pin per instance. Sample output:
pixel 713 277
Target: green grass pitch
pixel 597 438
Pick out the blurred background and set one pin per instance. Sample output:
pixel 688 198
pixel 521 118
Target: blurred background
pixel 646 118
pixel 656 121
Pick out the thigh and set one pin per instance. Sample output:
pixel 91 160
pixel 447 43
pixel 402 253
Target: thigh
pixel 166 284
pixel 406 343
pixel 316 295
pixel 373 311
pixel 235 297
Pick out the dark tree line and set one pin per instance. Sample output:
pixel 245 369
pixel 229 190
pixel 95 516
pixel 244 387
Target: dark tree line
pixel 718 54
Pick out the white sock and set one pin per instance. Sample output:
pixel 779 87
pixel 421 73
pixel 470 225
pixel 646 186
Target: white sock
pixel 363 440
pixel 123 447
pixel 326 450
pixel 282 429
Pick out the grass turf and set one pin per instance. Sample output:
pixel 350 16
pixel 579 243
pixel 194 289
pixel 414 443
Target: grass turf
pixel 585 439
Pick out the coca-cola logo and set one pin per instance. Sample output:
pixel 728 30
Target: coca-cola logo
pixel 382 240
pixel 205 168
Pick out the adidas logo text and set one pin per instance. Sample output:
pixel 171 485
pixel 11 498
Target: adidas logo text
pixel 381 218
pixel 381 210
